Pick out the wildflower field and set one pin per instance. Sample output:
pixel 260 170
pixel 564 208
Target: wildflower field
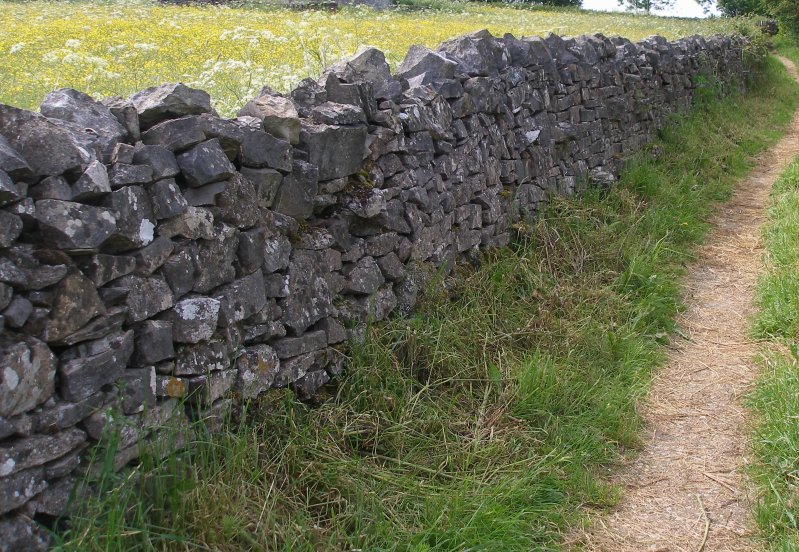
pixel 116 48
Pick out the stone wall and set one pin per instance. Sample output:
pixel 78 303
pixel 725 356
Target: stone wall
pixel 158 261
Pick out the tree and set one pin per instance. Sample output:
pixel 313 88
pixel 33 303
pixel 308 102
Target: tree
pixel 646 5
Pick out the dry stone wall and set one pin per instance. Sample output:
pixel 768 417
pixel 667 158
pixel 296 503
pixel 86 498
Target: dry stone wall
pixel 157 260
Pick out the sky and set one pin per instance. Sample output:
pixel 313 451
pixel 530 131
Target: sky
pixel 680 8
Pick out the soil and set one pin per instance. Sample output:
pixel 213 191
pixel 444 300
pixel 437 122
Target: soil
pixel 687 491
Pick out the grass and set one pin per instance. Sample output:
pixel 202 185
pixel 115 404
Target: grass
pixel 120 46
pixel 485 420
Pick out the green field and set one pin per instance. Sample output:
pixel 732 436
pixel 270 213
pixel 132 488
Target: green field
pixel 116 48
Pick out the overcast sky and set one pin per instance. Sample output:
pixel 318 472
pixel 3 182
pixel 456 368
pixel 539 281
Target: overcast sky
pixel 681 8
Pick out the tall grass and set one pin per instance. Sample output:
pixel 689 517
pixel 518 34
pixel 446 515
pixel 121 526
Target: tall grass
pixel 486 420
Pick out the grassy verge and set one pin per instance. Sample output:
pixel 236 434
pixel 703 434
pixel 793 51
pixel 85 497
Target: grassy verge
pixel 485 420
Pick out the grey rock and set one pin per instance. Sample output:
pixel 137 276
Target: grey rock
pixel 17 313
pixel 201 358
pixel 122 174
pixel 126 115
pixel 122 153
pixel 73 226
pixel 63 415
pixel 12 163
pixel 330 113
pixel 101 268
pixel 160 159
pixel 277 251
pixel 241 299
pixel 175 135
pixel 250 255
pixel 294 346
pixel 293 369
pixel 205 163
pixel 214 261
pixel 19 488
pixel 21 534
pixel 28 374
pixel 308 385
pixel 266 182
pixel 10 228
pixel 256 369
pixel 204 195
pixel 103 363
pixel 137 389
pixel 194 223
pixel 93 183
pixel 81 110
pixel 337 150
pixel 52 187
pixel 421 60
pixel 308 94
pixel 262 150
pixel 75 303
pixel 98 327
pixel 169 101
pixel 135 222
pixel 363 277
pixel 309 297
pixel 195 319
pixel 151 257
pixel 6 294
pixel 277 113
pixel 55 499
pixel 48 147
pixel 297 191
pixel 153 342
pixel 238 202
pixel 207 388
pixel 21 454
pixel 146 297
pixel 167 199
pixel 9 192
pixel 178 271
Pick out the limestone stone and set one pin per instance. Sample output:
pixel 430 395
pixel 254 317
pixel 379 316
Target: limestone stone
pixel 256 369
pixel 102 364
pixel 93 183
pixel 28 374
pixel 336 150
pixel 205 163
pixel 277 113
pixel 167 199
pixel 169 101
pixel 135 221
pixel 71 226
pixel 194 319
pixel 75 303
pixel 153 342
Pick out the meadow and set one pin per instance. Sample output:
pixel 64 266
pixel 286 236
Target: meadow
pixel 116 48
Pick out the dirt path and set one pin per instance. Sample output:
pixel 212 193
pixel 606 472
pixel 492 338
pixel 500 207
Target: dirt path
pixel 686 492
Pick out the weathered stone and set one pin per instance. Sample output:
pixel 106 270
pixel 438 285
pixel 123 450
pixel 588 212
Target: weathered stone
pixel 137 389
pixel 202 357
pixel 308 385
pixel 75 303
pixel 306 95
pixel 122 174
pixel 19 488
pixel 122 153
pixel 36 450
pixel 277 251
pixel 48 147
pixel 309 299
pixel 296 193
pixel 262 150
pixel 98 327
pixel 93 183
pixel 151 257
pixel 294 346
pixel 178 272
pixel 266 182
pixel 292 369
pixel 241 299
pixel 81 110
pixel 330 113
pixel 194 223
pixel 28 374
pixel 230 132
pixel 204 195
pixel 238 202
pixel 277 113
pixel 63 415
pixel 250 254
pixel 17 312
pixel 146 296
pixel 194 319
pixel 9 192
pixel 337 150
pixel 71 226
pixel 214 261
pixel 54 500
pixel 256 369
pixel 126 115
pixel 334 330
pixel 169 101
pixel 207 388
pixel 175 135
pixel 363 277
pixel 103 363
pixel 6 294
pixel 52 187
pixel 12 163
pixel 10 228
pixel 135 221
pixel 153 342
pixel 161 160
pixel 22 534
pixel 102 268
pixel 205 163
pixel 167 200
pixel 421 60
pixel 367 64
